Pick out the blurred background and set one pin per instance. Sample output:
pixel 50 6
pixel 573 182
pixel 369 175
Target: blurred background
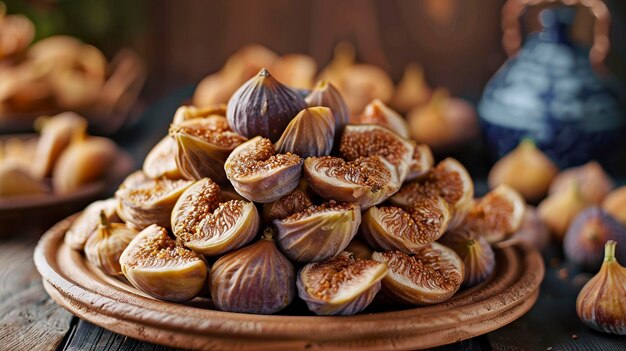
pixel 457 42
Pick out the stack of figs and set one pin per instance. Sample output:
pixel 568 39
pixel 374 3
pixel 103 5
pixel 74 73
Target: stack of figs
pixel 277 194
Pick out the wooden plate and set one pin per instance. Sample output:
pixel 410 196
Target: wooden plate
pixel 115 305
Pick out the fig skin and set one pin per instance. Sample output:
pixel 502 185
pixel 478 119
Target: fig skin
pixel 310 133
pixel 260 175
pixel 372 140
pixel 296 201
pixel 326 94
pixel 366 181
pixel 591 229
pixel 88 220
pixel 442 265
pixel 597 183
pixel 558 210
pixel 161 160
pixel 157 265
pixel 377 113
pixel 211 228
pixel 421 163
pixel 348 271
pixel 255 279
pixel 318 232
pixel 106 244
pixel 390 228
pixel 526 169
pixel 263 106
pixel 477 255
pixel 600 303
pixel 615 204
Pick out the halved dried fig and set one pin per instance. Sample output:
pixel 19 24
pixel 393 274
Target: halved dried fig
pixel 430 276
pixel 475 251
pixel 254 279
pixel 142 203
pixel 157 265
pixel 371 140
pixel 318 232
pixel 296 201
pixel 106 244
pixel 377 113
pixel 497 215
pixel 421 163
pixel 88 220
pixel 325 94
pixel 343 285
pixel 263 106
pixel 261 175
pixel 367 181
pixel 203 144
pixel 185 113
pixel 450 180
pixel 310 133
pixel 211 228
pixel 161 160
pixel 389 228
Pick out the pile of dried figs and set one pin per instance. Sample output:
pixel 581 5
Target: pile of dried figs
pixel 282 193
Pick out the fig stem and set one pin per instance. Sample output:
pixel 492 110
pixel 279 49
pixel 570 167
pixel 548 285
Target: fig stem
pixel 268 234
pixel 103 219
pixel 609 251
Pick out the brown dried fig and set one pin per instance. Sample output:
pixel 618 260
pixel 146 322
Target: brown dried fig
pixel 421 163
pixel 310 133
pixel 261 175
pixel 88 220
pixel 157 265
pixel 254 279
pixel 615 204
pixel 389 228
pixel 412 90
pixel 325 94
pixel 263 106
pixel 161 160
pixel 597 184
pixel 296 201
pixel 366 181
pixel 476 253
pixel 370 140
pixel 432 275
pixel 209 228
pixel 150 201
pixel 295 70
pixel 185 113
pixel 15 180
pixel 377 113
pixel 343 285
pixel 318 232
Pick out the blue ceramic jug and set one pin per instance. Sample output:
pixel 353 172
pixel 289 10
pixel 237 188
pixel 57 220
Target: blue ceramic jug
pixel 550 93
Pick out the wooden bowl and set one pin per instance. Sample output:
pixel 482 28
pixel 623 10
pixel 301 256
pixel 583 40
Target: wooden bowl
pixel 115 305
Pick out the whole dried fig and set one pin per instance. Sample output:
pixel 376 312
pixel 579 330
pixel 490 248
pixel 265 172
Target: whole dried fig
pixel 254 279
pixel 310 133
pixel 325 94
pixel 318 232
pixel 597 183
pixel 106 244
pixel 412 90
pixel 295 70
pixel 343 285
pixel 261 175
pixel 157 265
pixel 476 253
pixel 88 220
pixel 615 204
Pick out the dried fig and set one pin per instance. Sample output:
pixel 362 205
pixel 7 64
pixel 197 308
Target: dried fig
pixel 263 106
pixel 343 285
pixel 88 220
pixel 584 241
pixel 84 160
pixel 17 181
pixel 597 183
pixel 359 249
pixel 145 202
pixel 254 279
pixel 559 210
pixel 209 228
pixel 185 113
pixel 203 145
pixel 363 83
pixel 389 228
pixel 161 160
pixel 295 70
pixel 377 113
pixel 106 244
pixel 533 231
pixel 325 94
pixel 318 232
pixel 497 215
pixel 450 180
pixel 412 90
pixel 615 204
pixel 310 133
pixel 366 181
pixel 370 140
pixel 421 163
pixel 477 255
pixel 432 275
pixel 296 201
pixel 157 265
pixel 261 175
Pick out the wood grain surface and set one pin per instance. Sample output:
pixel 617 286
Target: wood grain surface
pixel 115 305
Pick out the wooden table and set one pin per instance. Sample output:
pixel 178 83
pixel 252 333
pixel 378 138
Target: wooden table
pixel 29 320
